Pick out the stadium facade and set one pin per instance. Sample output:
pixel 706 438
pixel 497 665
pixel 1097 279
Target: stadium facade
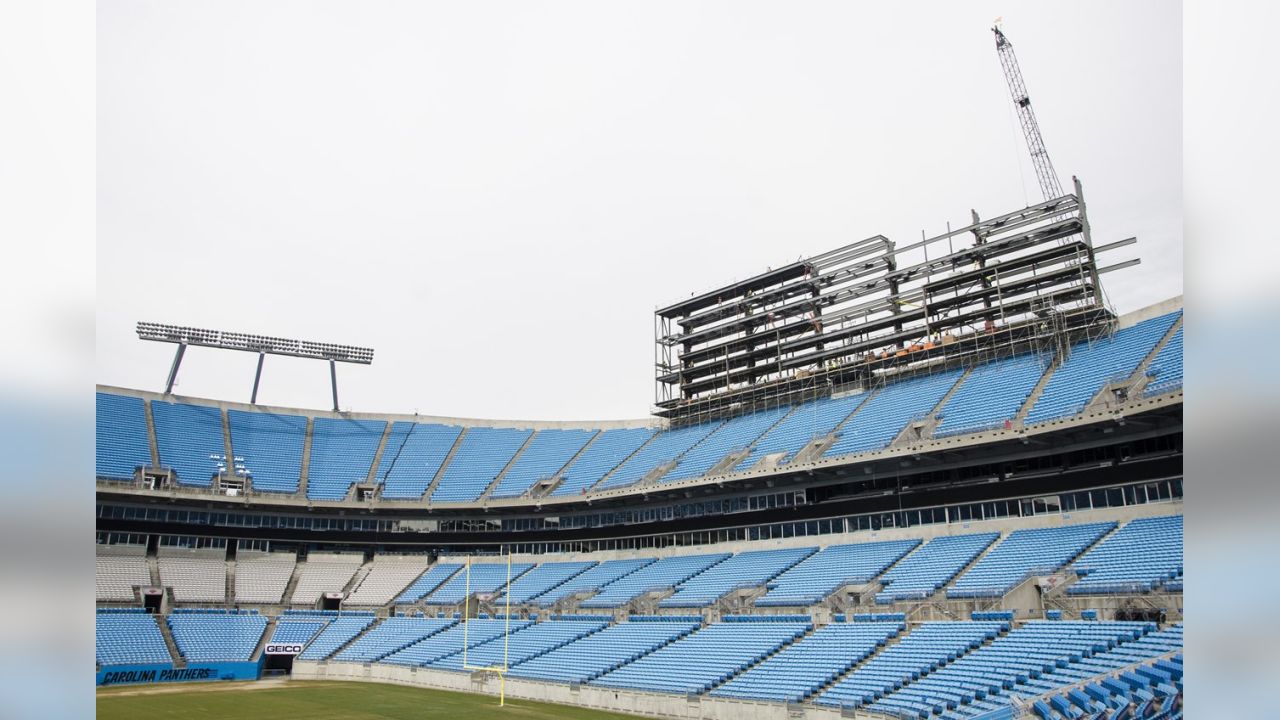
pixel 941 479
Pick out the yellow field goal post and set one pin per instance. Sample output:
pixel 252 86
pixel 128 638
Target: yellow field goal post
pixel 500 670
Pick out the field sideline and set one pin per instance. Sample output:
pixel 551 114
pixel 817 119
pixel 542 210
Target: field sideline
pixel 320 700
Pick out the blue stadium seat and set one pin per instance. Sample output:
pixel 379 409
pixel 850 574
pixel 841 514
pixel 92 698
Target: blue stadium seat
pixel 592 580
pixel 129 637
pixel 744 570
pixel 663 574
pixel 603 651
pixel 122 441
pixel 1165 370
pixel 1024 553
pixel 483 578
pixel 882 417
pixel 271 445
pixel 413 455
pixel 390 636
pixel 481 455
pixel 800 669
pixel 931 567
pixel 664 448
pixel 525 642
pixel 809 422
pixel 342 452
pixel 336 634
pixel 733 436
pixel 834 567
pixel 543 579
pixel 428 582
pixel 701 661
pixel 218 636
pixel 1138 557
pixel 190 440
pixel 605 453
pixel 991 394
pixel 546 454
pixel 452 640
pixel 928 647
pixel 1092 364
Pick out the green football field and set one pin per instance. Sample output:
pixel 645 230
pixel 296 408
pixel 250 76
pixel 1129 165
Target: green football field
pixel 320 700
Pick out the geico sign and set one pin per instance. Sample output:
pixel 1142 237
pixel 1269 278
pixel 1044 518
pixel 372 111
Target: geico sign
pixel 283 649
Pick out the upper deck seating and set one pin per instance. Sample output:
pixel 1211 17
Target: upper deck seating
pixel 1093 363
pixel 412 457
pixel 1165 370
pixel 733 436
pixel 664 448
pixel 809 422
pixel 481 455
pixel 342 452
pixel 605 453
pixel 545 455
pixel 122 443
pixel 882 417
pixel 190 440
pixel 991 394
pixel 271 446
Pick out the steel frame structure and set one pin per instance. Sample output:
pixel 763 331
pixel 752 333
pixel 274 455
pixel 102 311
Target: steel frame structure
pixel 1025 280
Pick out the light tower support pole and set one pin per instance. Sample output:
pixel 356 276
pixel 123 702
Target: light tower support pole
pixel 257 377
pixel 173 369
pixel 333 380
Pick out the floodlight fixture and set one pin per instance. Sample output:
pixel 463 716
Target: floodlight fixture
pixel 264 345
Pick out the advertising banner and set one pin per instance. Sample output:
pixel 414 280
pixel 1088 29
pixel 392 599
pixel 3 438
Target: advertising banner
pixel 166 673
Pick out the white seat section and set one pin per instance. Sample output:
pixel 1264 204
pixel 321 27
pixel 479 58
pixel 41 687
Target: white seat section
pixel 262 577
pixel 194 575
pixel 388 576
pixel 325 573
pixel 119 570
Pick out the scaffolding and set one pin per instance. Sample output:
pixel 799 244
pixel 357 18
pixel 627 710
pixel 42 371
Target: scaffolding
pixel 873 311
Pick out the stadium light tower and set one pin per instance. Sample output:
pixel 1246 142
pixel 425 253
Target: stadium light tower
pixel 264 345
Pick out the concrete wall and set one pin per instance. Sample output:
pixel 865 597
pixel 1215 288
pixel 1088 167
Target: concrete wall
pixel 638 703
pixel 1163 307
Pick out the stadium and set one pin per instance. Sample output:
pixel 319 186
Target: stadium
pixel 896 479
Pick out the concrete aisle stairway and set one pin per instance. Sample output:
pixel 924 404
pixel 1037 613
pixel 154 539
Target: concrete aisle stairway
pixel 178 660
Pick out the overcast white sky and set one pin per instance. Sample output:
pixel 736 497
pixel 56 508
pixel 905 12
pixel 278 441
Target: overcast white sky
pixel 496 195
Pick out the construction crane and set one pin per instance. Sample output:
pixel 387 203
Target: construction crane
pixel 1045 173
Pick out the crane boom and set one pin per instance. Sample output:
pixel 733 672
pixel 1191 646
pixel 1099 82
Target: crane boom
pixel 1045 173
